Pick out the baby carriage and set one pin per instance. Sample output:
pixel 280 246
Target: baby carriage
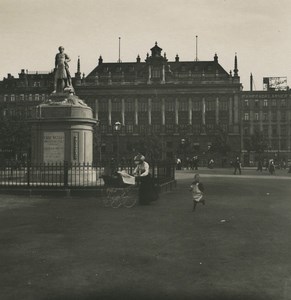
pixel 120 190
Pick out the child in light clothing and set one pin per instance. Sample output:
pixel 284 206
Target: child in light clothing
pixel 197 190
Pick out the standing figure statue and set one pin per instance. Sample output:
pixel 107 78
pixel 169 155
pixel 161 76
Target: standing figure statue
pixel 62 74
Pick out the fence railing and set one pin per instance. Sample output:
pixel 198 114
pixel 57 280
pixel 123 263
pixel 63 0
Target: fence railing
pixel 69 175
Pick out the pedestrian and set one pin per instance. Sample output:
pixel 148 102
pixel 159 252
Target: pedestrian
pixel 237 165
pixel 271 167
pixel 147 192
pixel 197 190
pixel 179 162
pixel 260 166
pixel 211 163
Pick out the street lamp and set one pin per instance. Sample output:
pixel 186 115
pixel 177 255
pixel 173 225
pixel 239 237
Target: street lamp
pixel 183 141
pixel 117 128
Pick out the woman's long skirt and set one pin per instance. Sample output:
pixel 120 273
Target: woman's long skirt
pixel 147 192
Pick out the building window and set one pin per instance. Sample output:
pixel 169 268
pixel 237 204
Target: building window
pixel 129 128
pixel 223 105
pixel 30 97
pixel 246 103
pixel 256 116
pixel 36 97
pixel 170 105
pixel 209 105
pixel 21 97
pixel 169 128
pixel 274 130
pixel 183 105
pixel 116 105
pixel 156 128
pixel 283 145
pixel 12 98
pixel 283 102
pixel 156 73
pixel 256 103
pixel 246 116
pixel 103 105
pixel 143 105
pixel 156 105
pixel 196 105
pixel 265 116
pixel 274 116
pixel 283 130
pixel 246 131
pixel 265 103
pixel 129 105
pixel 5 98
pixel 274 102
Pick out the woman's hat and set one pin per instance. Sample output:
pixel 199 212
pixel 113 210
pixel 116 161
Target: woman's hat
pixel 139 157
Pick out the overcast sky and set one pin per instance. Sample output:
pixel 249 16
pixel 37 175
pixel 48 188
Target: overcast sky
pixel 258 30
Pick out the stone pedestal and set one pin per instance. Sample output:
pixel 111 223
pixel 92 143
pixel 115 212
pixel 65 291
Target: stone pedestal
pixel 62 131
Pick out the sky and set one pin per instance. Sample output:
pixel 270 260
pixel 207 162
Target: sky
pixel 259 31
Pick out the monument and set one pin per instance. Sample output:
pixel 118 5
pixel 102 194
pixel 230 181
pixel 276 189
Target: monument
pixel 62 131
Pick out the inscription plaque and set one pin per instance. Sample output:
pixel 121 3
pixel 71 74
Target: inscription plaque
pixel 53 147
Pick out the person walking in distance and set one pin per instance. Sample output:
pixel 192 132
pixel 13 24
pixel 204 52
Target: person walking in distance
pixel 197 190
pixel 237 165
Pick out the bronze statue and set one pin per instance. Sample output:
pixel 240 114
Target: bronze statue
pixel 63 78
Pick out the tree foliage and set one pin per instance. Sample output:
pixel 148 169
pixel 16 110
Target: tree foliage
pixel 257 142
pixel 220 143
pixel 15 138
pixel 150 146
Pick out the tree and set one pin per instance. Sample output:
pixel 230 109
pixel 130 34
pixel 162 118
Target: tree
pixel 15 138
pixel 257 143
pixel 220 143
pixel 151 146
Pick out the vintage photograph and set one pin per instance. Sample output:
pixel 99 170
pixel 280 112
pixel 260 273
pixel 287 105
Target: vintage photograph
pixel 145 150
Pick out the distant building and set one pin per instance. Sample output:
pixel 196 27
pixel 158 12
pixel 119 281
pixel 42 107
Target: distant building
pixel 173 100
pixel 269 114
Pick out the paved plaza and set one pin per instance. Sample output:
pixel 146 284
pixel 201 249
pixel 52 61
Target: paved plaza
pixel 237 246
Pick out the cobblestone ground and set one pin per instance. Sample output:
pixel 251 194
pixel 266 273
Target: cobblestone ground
pixel 237 246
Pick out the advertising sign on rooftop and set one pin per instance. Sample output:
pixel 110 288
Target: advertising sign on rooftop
pixel 275 83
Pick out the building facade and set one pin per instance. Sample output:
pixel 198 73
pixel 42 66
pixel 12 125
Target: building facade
pixel 266 115
pixel 180 103
pixel 165 109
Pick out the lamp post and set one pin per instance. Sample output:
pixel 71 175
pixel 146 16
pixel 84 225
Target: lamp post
pixel 117 128
pixel 183 141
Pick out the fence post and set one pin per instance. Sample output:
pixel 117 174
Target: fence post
pixel 66 170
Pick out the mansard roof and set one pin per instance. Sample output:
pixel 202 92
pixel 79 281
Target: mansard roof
pixel 171 68
pixel 173 71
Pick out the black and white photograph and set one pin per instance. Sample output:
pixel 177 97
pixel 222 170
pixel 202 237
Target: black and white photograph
pixel 145 150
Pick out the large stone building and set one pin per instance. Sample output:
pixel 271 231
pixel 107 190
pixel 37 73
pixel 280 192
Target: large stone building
pixel 164 107
pixel 181 103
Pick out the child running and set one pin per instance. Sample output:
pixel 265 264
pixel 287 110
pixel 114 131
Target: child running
pixel 197 190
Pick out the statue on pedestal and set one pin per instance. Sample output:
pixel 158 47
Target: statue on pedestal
pixel 62 80
pixel 63 93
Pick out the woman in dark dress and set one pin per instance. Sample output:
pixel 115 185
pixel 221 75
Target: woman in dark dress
pixel 146 192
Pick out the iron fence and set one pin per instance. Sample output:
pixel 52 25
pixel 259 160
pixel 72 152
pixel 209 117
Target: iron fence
pixel 71 175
